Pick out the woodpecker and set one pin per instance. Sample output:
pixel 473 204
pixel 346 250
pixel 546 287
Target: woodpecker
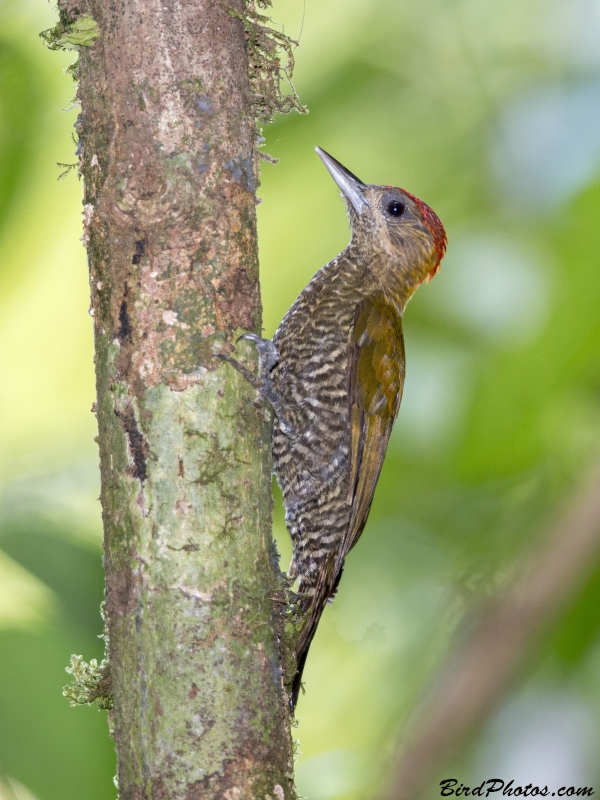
pixel 334 374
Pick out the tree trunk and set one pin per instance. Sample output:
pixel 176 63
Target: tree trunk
pixel 193 603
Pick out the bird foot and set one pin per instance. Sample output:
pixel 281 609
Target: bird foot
pixel 268 357
pixel 295 614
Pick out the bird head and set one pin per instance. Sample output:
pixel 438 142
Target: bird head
pixel 390 222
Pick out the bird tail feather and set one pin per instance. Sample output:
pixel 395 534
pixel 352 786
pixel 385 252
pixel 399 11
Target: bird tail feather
pixel 324 594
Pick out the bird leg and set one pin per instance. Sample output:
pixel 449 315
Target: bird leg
pixel 268 357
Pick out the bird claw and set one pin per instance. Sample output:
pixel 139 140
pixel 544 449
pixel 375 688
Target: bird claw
pixel 252 379
pixel 268 357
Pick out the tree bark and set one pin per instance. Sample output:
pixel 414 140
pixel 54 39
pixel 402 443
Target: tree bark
pixel 168 154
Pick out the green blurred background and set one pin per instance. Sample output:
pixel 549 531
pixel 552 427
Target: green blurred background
pixel 491 113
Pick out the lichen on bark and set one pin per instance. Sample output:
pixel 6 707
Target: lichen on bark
pixel 271 63
pixel 194 604
pixel 90 684
pixel 71 32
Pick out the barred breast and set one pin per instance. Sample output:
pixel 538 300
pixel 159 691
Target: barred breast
pixel 312 379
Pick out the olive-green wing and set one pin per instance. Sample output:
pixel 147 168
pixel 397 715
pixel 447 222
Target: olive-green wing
pixel 375 382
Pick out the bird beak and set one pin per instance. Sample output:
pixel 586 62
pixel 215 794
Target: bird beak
pixel 351 187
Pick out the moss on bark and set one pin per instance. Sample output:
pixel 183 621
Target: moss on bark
pixel 194 600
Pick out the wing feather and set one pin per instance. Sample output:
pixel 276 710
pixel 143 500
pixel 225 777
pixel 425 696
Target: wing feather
pixel 375 383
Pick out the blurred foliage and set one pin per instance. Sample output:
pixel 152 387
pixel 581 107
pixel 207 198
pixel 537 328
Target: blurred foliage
pixel 490 113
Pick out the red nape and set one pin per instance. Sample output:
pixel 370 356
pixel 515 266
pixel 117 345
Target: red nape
pixel 434 224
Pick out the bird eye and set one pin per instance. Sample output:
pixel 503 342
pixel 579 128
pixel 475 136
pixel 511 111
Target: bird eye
pixel 396 208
